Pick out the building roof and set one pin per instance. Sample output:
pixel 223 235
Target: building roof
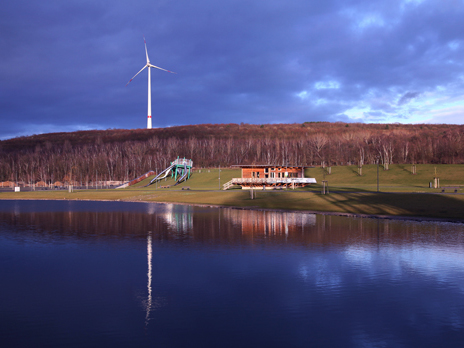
pixel 268 165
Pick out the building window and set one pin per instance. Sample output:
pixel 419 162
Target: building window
pixel 266 170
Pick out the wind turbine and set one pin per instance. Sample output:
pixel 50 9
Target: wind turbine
pixel 148 65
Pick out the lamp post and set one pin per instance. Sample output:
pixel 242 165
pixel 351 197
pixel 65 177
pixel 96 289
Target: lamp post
pixel 377 174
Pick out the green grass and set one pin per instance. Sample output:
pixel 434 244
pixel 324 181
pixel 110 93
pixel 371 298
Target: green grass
pixel 397 179
pixel 343 178
pixel 201 179
pixel 350 193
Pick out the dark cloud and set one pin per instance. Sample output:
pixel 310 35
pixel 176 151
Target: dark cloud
pixel 64 65
pixel 407 97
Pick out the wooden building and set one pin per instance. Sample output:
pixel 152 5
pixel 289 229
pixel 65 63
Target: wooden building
pixel 270 177
pixel 271 172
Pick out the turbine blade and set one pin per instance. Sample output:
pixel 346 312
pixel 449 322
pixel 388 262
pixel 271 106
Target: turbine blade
pixel 157 67
pixel 136 74
pixel 146 52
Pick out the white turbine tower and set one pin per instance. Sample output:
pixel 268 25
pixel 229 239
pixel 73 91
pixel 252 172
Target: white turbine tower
pixel 148 65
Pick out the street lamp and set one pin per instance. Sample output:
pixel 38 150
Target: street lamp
pixel 377 174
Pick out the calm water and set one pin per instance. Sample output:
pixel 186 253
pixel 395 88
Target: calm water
pixel 116 274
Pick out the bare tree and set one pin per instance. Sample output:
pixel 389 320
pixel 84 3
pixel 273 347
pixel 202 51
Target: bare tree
pixel 318 141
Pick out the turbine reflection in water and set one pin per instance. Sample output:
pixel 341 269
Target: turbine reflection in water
pixel 256 278
pixel 151 303
pixel 149 260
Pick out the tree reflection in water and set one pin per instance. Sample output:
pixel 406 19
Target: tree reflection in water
pixel 182 271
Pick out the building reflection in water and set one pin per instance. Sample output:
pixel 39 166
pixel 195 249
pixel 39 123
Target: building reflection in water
pixel 107 270
pixel 221 225
pixel 230 227
pixel 269 222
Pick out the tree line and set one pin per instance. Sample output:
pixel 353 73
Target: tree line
pixel 121 155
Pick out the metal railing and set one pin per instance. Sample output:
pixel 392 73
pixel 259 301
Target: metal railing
pixel 183 161
pixel 258 181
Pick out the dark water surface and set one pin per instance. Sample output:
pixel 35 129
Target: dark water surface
pixel 113 274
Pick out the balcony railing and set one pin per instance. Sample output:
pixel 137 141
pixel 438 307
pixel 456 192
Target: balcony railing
pixel 264 181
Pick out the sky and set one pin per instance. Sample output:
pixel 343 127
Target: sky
pixel 64 65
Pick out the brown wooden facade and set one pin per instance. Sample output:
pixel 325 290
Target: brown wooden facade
pixel 270 177
pixel 271 172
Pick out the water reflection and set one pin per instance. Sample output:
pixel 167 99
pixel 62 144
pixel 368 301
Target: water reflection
pixel 149 298
pixel 225 277
pixel 232 226
pixel 180 219
pixel 269 222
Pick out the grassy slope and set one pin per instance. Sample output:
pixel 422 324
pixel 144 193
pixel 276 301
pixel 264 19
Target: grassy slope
pixel 204 190
pixel 397 178
pixel 203 179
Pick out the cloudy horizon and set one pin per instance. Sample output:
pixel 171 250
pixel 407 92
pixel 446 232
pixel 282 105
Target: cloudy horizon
pixel 64 65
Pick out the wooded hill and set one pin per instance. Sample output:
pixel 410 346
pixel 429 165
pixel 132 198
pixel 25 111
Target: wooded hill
pixel 119 154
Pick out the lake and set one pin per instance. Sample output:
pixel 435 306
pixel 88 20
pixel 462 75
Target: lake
pixel 116 274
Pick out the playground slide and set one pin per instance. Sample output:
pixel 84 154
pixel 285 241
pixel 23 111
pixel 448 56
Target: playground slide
pixel 182 178
pixel 161 175
pixel 135 181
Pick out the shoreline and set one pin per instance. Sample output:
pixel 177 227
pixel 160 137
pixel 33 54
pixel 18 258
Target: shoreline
pixel 256 208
